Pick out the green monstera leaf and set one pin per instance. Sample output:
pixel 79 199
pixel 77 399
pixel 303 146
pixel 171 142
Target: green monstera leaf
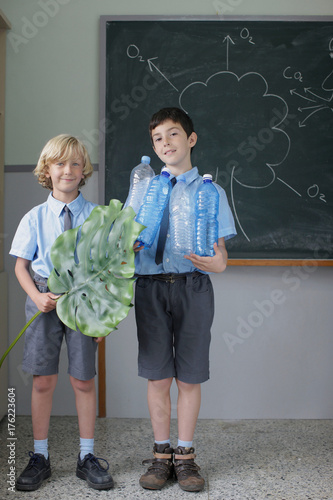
pixel 93 267
pixel 93 272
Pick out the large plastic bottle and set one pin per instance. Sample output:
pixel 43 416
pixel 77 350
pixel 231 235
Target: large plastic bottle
pixel 151 211
pixel 141 176
pixel 206 211
pixel 182 220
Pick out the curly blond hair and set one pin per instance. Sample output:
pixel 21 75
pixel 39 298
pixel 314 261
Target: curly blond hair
pixel 62 147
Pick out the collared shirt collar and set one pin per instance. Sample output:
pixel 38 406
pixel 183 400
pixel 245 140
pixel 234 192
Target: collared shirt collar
pixel 57 206
pixel 188 176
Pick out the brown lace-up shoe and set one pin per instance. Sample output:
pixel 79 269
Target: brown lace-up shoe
pixel 161 468
pixel 186 470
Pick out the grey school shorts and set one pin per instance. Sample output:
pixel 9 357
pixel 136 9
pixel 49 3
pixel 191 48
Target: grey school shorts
pixel 174 319
pixel 43 342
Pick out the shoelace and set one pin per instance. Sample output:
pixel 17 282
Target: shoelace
pixel 95 461
pixel 34 459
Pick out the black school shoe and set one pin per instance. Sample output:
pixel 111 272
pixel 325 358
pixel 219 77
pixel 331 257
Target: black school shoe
pixel 93 472
pixel 37 470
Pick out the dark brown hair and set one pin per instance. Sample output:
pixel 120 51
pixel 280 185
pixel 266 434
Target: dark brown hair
pixel 176 115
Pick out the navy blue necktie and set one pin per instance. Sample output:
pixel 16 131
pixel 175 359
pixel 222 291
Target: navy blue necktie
pixel 67 218
pixel 163 229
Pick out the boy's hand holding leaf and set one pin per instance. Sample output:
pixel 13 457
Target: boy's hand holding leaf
pixel 93 271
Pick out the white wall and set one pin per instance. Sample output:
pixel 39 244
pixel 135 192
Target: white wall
pixel 272 346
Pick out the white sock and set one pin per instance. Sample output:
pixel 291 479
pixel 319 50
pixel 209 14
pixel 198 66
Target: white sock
pixel 86 446
pixel 166 441
pixel 41 446
pixel 185 444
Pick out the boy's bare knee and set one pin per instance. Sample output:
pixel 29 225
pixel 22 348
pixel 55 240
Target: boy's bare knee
pixel 83 385
pixel 161 385
pixel 185 387
pixel 44 383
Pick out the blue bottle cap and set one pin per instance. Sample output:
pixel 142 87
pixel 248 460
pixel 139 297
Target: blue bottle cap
pixel 145 159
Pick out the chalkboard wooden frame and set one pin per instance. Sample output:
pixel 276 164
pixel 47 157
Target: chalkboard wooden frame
pixel 105 124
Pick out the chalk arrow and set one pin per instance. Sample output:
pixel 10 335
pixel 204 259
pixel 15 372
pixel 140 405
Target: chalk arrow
pixel 293 92
pixel 152 66
pixel 309 91
pixel 283 182
pixel 310 107
pixel 229 40
pixel 301 124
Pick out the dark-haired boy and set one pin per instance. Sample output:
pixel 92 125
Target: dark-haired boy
pixel 174 307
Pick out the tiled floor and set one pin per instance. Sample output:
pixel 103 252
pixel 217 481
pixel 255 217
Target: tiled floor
pixel 240 460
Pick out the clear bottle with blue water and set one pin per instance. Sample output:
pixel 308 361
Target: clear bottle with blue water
pixel 206 212
pixel 151 211
pixel 182 219
pixel 141 176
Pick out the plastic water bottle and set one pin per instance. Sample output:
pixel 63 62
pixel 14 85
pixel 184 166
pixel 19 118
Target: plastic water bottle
pixel 182 219
pixel 151 211
pixel 206 210
pixel 141 176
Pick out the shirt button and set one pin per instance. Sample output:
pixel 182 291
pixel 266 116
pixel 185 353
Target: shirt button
pixel 168 235
pixel 168 260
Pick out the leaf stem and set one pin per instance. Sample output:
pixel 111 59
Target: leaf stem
pixel 18 337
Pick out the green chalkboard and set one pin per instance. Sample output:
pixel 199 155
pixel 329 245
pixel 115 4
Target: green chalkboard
pixel 260 93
